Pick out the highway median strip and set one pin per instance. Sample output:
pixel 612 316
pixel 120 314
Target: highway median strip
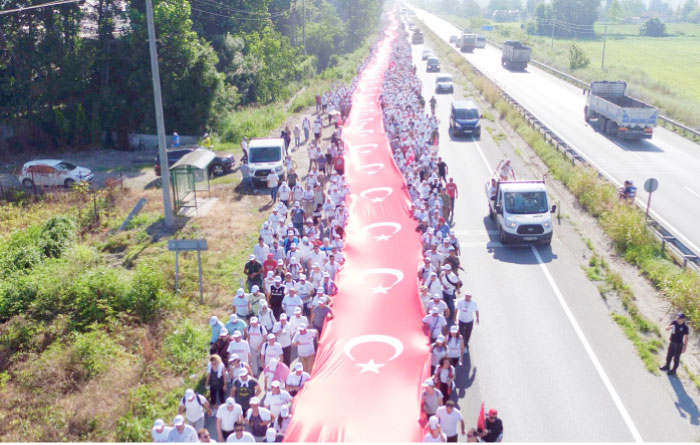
pixel 624 224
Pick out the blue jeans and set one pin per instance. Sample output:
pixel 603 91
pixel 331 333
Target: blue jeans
pixel 247 184
pixel 273 193
pixel 450 301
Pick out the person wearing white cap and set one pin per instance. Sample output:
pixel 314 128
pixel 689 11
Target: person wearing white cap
pixel 296 380
pixel 271 436
pixel 434 284
pixel 266 317
pixel 291 301
pixel 450 285
pixel 226 417
pixel 255 297
pixel 293 252
pixel 435 323
pixel 303 341
pixel 216 327
pixel 297 320
pixel 253 271
pixel 258 418
pixel 277 292
pixel 316 274
pixel 329 286
pixel 331 266
pixel 283 332
pixel 284 193
pixel 282 421
pixel 455 346
pixel 437 301
pixel 241 303
pixel 266 233
pixel 438 350
pixel 431 399
pixel 194 406
pixel 275 218
pixel 235 324
pixel 271 350
pixel 450 417
pixel 275 370
pixel 236 367
pixel 276 398
pixel 320 313
pixel 244 388
pixel 305 291
pixel 316 257
pixel 294 268
pixel 160 431
pixel 257 335
pixel 182 432
pixel 434 433
pixel 277 250
pixel 467 312
pixel 240 347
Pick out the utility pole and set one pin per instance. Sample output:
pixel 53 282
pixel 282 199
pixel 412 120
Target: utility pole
pixel 303 24
pixel 160 124
pixel 552 46
pixel 605 38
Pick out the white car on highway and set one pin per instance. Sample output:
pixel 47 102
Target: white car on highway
pixel 53 172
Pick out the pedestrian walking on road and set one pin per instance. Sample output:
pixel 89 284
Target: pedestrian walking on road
pixel 247 180
pixel 226 417
pixel 160 432
pixel 194 406
pixel 180 432
pixel 297 136
pixel 217 376
pixel 455 346
pixel 467 312
pixel 434 433
pixel 444 378
pixel 679 342
pixel 431 399
pixel 240 435
pixel 306 125
pixel 450 417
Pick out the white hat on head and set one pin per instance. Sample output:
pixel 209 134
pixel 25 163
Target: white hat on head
pixel 189 394
pixel 158 424
pixel 213 320
pixel 271 434
pixel 433 422
pixel 178 420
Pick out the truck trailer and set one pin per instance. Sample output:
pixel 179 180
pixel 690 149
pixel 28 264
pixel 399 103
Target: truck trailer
pixel 618 115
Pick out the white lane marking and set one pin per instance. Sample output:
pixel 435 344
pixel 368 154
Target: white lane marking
pixel 693 192
pixel 589 350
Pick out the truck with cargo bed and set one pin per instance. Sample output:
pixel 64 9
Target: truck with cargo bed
pixel 417 37
pixel 618 115
pixel 515 55
pixel 467 43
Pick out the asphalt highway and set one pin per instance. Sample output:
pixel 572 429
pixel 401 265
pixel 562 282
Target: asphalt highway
pixel 547 354
pixel 672 159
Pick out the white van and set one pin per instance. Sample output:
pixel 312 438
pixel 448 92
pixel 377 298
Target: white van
pixel 521 211
pixel 264 156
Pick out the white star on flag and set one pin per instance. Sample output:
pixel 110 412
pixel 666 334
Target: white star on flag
pixel 370 366
pixel 382 237
pixel 377 199
pixel 380 289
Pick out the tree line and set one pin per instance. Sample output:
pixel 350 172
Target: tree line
pixel 79 74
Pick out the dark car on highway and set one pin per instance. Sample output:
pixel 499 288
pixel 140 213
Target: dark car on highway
pixel 221 164
pixel 433 65
pixel 464 118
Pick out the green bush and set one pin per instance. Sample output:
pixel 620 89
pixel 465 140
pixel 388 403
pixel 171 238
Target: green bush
pixel 146 296
pixel 95 351
pixel 186 347
pixel 17 335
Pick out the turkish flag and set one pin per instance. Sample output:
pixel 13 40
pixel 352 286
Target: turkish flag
pixel 372 357
pixel 481 423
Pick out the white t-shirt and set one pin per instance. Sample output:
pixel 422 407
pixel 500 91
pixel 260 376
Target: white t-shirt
pixel 241 304
pixel 295 380
pixel 246 437
pixel 229 418
pixel 256 336
pixel 270 352
pixel 274 402
pixel 283 333
pixel 263 412
pixel 466 310
pixel 429 438
pixel 161 437
pixel 435 324
pixel 305 347
pixel 448 422
pixel 295 322
pixel 272 180
pixel 242 348
pixel 290 303
pixel 194 410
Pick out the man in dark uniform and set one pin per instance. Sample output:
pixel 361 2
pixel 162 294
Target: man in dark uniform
pixel 253 270
pixel 679 341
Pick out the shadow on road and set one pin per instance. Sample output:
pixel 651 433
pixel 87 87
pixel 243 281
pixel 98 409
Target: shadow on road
pixel 464 378
pixel 685 405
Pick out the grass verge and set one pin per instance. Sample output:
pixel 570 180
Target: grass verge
pixel 624 225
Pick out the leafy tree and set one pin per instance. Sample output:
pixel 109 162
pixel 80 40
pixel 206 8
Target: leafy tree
pixel 574 17
pixel 359 17
pixel 577 57
pixel 470 8
pixel 688 7
pixel 659 6
pixel 633 8
pixel 653 28
pixel 615 12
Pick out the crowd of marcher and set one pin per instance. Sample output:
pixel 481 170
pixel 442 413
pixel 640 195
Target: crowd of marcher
pixel 262 356
pixel 451 311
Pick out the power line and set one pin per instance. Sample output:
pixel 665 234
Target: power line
pixel 43 5
pixel 213 4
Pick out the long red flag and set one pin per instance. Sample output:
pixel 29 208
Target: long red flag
pixel 481 423
pixel 373 356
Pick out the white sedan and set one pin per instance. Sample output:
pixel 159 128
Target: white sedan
pixel 53 172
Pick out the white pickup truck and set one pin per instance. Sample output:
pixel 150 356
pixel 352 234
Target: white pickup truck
pixel 619 115
pixel 521 211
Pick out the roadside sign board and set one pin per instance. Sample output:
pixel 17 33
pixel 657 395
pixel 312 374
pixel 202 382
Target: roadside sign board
pixel 651 184
pixel 183 245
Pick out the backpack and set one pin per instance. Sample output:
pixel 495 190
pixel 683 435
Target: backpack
pixel 196 397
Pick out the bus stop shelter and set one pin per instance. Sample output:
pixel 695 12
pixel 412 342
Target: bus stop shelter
pixel 190 179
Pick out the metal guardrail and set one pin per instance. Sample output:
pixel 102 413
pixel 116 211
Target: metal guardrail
pixel 686 255
pixel 583 84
